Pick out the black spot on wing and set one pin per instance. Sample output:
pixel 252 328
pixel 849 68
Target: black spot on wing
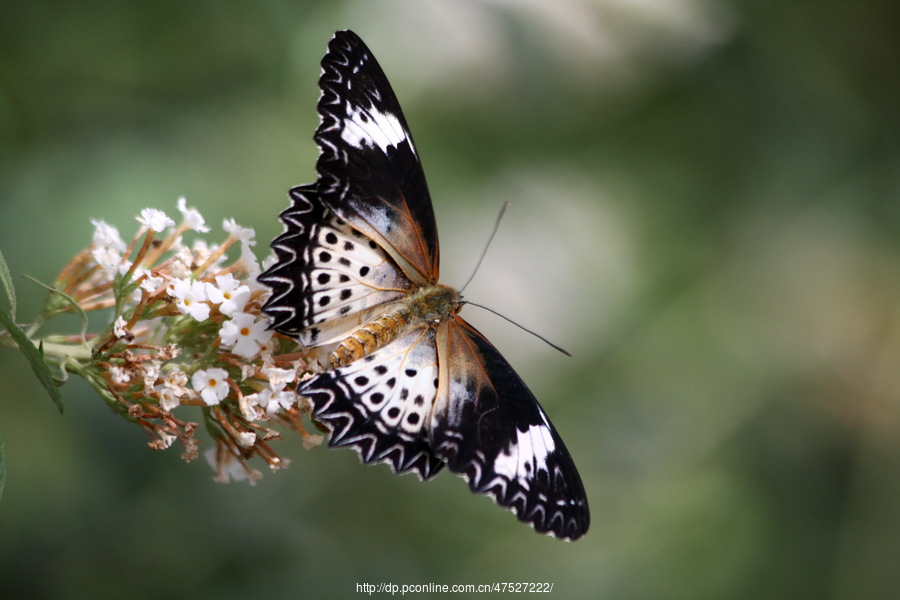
pixel 317 280
pixel 365 410
pixel 369 170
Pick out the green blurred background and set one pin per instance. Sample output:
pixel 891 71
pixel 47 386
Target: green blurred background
pixel 704 211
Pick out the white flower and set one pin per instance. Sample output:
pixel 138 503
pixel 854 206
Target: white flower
pixel 192 217
pixel 190 297
pixel 248 370
pixel 229 468
pixel 242 233
pixel 267 348
pixel 279 378
pixel 165 440
pixel 212 384
pixel 270 260
pixel 108 258
pixel 151 283
pixel 229 294
pixel 168 398
pixel 280 400
pixel 150 373
pixel 119 327
pixel 245 235
pixel 246 439
pixel 136 274
pixel 245 334
pixel 182 263
pixel 271 402
pixel 154 219
pixel 252 265
pixel 202 251
pixel 171 390
pixel 119 374
pixel 107 236
pixel 248 405
pixel 176 380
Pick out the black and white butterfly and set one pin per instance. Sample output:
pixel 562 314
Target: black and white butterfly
pixel 411 383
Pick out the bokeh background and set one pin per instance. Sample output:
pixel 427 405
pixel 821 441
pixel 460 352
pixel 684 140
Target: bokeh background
pixel 705 212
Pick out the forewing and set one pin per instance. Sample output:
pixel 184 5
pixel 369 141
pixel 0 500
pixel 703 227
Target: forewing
pixel 329 277
pixel 490 429
pixel 380 405
pixel 369 170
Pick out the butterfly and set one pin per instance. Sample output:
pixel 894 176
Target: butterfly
pixel 410 382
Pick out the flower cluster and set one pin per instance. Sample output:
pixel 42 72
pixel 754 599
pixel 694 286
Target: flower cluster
pixel 182 329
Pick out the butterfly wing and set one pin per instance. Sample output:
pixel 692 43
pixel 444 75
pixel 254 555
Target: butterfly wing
pixel 328 276
pixel 369 170
pixel 380 405
pixel 445 395
pixel 490 429
pixel 357 242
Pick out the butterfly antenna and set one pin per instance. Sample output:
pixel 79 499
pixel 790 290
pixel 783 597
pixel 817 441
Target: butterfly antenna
pixel 486 246
pixel 522 327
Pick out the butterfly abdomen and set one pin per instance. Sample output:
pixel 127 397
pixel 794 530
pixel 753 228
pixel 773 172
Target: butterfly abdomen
pixel 427 306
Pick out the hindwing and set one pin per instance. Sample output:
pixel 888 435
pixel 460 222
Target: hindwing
pixel 381 405
pixel 490 430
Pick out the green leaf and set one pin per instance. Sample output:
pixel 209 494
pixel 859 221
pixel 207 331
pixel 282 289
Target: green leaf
pixel 7 284
pixel 56 297
pixel 2 467
pixel 35 356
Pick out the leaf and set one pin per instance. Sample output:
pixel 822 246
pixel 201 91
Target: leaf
pixel 6 282
pixel 2 467
pixel 35 356
pixel 66 299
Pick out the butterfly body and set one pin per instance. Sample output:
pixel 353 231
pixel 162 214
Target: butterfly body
pixel 425 307
pixel 411 383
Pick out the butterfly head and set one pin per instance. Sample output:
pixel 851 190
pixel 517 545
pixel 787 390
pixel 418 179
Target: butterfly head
pixel 435 303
